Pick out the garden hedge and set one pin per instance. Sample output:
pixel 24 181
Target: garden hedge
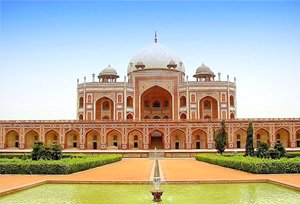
pixel 253 164
pixel 63 166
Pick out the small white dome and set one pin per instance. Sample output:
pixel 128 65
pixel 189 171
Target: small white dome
pixel 204 70
pixel 156 56
pixel 108 71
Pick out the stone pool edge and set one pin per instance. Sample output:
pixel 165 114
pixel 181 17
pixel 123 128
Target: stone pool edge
pixel 51 181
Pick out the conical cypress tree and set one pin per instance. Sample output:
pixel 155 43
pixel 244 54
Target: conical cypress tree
pixel 249 141
pixel 220 138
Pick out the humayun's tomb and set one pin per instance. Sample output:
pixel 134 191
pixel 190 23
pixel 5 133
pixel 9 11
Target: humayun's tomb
pixel 156 106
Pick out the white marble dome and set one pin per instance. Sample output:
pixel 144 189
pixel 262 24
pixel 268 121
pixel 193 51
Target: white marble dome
pixel 156 56
pixel 109 70
pixel 204 70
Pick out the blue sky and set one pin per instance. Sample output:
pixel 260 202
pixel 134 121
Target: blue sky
pixel 46 46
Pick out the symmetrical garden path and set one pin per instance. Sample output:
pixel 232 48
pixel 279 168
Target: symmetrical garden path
pixel 139 170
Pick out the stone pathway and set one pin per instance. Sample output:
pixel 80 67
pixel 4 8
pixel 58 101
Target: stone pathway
pixel 139 171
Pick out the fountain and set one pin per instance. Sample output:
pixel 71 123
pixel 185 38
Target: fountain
pixel 156 192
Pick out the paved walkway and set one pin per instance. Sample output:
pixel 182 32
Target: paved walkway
pixel 191 170
pixel 139 170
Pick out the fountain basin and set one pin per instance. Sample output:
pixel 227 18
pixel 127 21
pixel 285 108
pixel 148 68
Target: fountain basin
pixel 139 193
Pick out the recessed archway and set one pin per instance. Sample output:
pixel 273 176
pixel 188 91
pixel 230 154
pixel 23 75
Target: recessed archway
pixel 129 102
pixel 72 139
pixel 177 139
pixel 156 102
pixel 231 99
pixel 298 138
pixel 30 138
pixel 156 139
pixel 199 139
pixel 93 140
pixel 129 116
pixel 240 137
pixel 135 140
pixel 261 135
pixel 208 108
pixel 182 101
pixel 182 116
pixel 283 136
pixel 114 139
pixel 12 139
pixel 51 137
pixel 104 109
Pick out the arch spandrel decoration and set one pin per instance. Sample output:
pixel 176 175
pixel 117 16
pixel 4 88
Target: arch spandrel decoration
pixel 166 84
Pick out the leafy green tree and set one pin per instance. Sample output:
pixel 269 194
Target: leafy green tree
pixel 281 149
pixel 56 152
pixel 249 141
pixel 37 149
pixel 262 150
pixel 220 138
pixel 274 153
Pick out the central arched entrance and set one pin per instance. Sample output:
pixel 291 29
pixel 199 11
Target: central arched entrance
pixel 156 140
pixel 156 103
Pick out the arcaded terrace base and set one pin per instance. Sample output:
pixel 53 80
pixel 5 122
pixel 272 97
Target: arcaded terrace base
pixel 139 171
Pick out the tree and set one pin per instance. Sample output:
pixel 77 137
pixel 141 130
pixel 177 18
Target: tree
pixel 262 150
pixel 220 138
pixel 281 149
pixel 56 152
pixel 249 141
pixel 39 151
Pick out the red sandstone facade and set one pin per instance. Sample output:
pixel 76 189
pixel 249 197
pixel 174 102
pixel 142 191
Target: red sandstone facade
pixel 157 107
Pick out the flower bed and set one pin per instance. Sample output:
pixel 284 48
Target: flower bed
pixel 63 166
pixel 253 164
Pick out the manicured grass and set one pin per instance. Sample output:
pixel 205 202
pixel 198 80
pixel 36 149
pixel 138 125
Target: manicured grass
pixel 63 166
pixel 253 164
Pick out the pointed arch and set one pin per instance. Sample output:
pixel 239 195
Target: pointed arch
pixel 81 102
pixel 232 116
pixel 129 116
pixel 282 135
pixel 129 102
pixel 93 139
pixel 231 100
pixel 12 139
pixel 135 139
pixel 240 137
pixel 156 139
pixel 156 101
pixel 199 139
pixel 51 137
pixel 297 138
pixel 177 139
pixel 31 137
pixel 182 116
pixel 114 139
pixel 104 108
pixel 261 135
pixel 208 108
pixel 72 139
pixel 182 101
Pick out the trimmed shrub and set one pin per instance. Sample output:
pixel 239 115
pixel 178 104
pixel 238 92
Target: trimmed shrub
pixel 280 148
pixel 253 165
pixel 292 154
pixel 56 152
pixel 262 150
pixel 63 166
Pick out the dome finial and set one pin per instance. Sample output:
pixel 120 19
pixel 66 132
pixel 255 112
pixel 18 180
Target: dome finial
pixel 155 37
